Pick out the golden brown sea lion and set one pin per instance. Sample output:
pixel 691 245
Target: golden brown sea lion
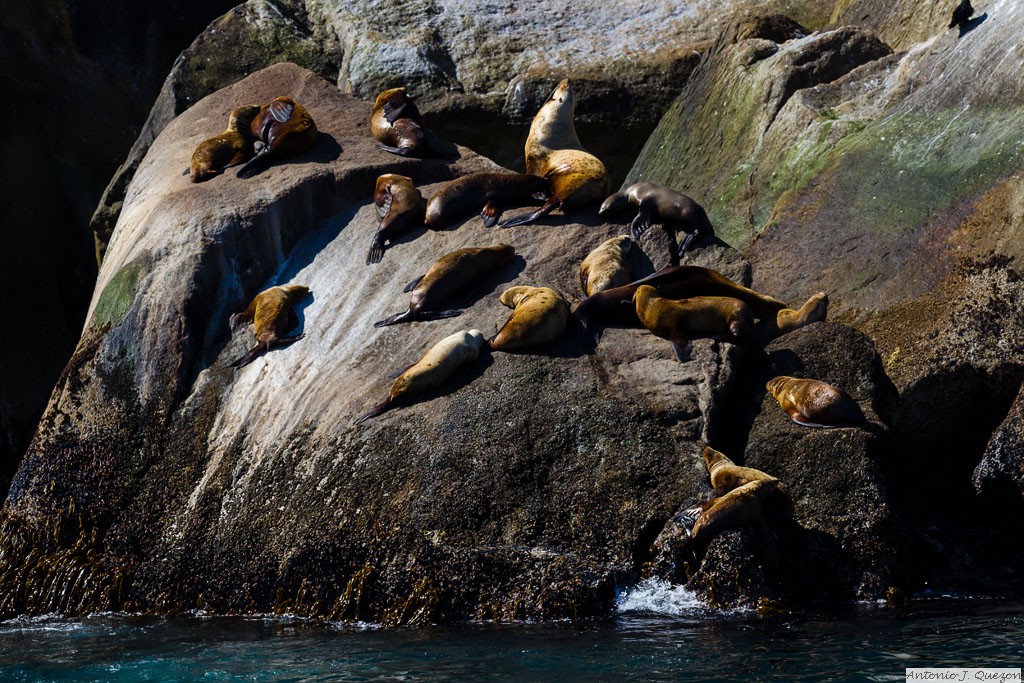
pixel 232 147
pixel 488 193
pixel 400 208
pixel 554 152
pixel 815 309
pixel 272 315
pixel 812 403
pixel 615 306
pixel 607 266
pixel 450 274
pixel 395 122
pixel 659 204
pixel 539 317
pixel 436 366
pixel 727 475
pixel 701 317
pixel 741 506
pixel 285 128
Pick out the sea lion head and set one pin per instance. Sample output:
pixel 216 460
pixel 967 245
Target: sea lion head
pixel 513 295
pixel 614 204
pixel 475 337
pixel 713 458
pixel 392 95
pixel 775 386
pixel 563 95
pixel 296 292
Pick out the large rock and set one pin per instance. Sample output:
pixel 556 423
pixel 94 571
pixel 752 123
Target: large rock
pixel 166 480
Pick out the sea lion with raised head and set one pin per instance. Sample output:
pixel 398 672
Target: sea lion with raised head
pixel 400 208
pixel 232 147
pixel 285 129
pixel 539 317
pixel 657 203
pixel 609 265
pixel 701 317
pixel 395 122
pixel 450 275
pixel 436 366
pixel 272 315
pixel 812 403
pixel 553 151
pixel 727 475
pixel 488 193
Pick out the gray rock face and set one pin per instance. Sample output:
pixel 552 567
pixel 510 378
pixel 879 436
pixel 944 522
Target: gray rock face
pixel 169 481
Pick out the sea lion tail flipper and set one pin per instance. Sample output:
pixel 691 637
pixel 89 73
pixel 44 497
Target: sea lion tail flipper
pixel 256 164
pixel 804 421
pixel 688 517
pixel 374 412
pixel 490 214
pixel 412 285
pixel 400 151
pixel 394 319
pixel 248 357
pixel 682 351
pixel 437 315
pixel 188 169
pixel 376 252
pixel 527 218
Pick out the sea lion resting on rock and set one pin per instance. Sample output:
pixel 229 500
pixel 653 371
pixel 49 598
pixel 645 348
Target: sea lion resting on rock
pixel 450 274
pixel 490 193
pixel 554 152
pixel 272 315
pixel 285 128
pixel 400 208
pixel 741 506
pixel 607 266
pixel 659 204
pixel 232 147
pixel 395 122
pixel 539 317
pixel 702 317
pixel 436 366
pixel 812 403
pixel 727 475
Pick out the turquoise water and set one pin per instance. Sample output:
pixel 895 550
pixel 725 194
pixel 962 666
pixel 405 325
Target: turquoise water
pixel 658 634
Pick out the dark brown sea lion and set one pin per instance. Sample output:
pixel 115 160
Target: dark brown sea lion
pixel 607 266
pixel 812 403
pixel 400 208
pixel 615 306
pixel 272 314
pixel 450 274
pixel 285 128
pixel 961 14
pixel 702 317
pixel 437 365
pixel 659 204
pixel 539 317
pixel 489 193
pixel 395 122
pixel 553 151
pixel 232 147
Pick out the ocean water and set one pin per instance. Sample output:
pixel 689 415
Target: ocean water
pixel 659 633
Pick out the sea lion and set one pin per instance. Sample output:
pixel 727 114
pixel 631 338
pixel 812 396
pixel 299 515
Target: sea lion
pixel 608 265
pixel 272 315
pixel 615 306
pixel 539 317
pixel 489 193
pixel 741 506
pixel 702 317
pixel 232 147
pixel 554 152
pixel 436 366
pixel 395 122
pixel 815 309
pixel 961 14
pixel 450 274
pixel 727 475
pixel 659 204
pixel 812 403
pixel 285 128
pixel 400 208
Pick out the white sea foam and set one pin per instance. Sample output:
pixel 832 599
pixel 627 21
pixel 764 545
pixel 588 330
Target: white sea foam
pixel 659 596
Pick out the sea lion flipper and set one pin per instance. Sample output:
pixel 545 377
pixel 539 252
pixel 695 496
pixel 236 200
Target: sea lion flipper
pixel 374 412
pixel 437 315
pixel 527 218
pixel 256 164
pixel 688 517
pixel 804 421
pixel 383 201
pixel 376 253
pixel 412 285
pixel 682 351
pixel 400 151
pixel 248 357
pixel 393 319
pixel 490 214
pixel 188 169
pixel 639 226
pixel 281 110
pixel 406 109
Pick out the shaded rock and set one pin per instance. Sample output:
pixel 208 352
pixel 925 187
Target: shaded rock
pixel 733 573
pixel 525 489
pixel 1000 474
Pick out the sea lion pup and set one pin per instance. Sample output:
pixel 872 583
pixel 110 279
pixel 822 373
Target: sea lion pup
pixel 539 317
pixel 659 204
pixel 489 193
pixel 272 315
pixel 400 208
pixel 450 274
pixel 727 475
pixel 232 147
pixel 961 14
pixel 741 506
pixel 812 403
pixel 608 265
pixel 437 365
pixel 395 122
pixel 554 152
pixel 702 317
pixel 285 128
